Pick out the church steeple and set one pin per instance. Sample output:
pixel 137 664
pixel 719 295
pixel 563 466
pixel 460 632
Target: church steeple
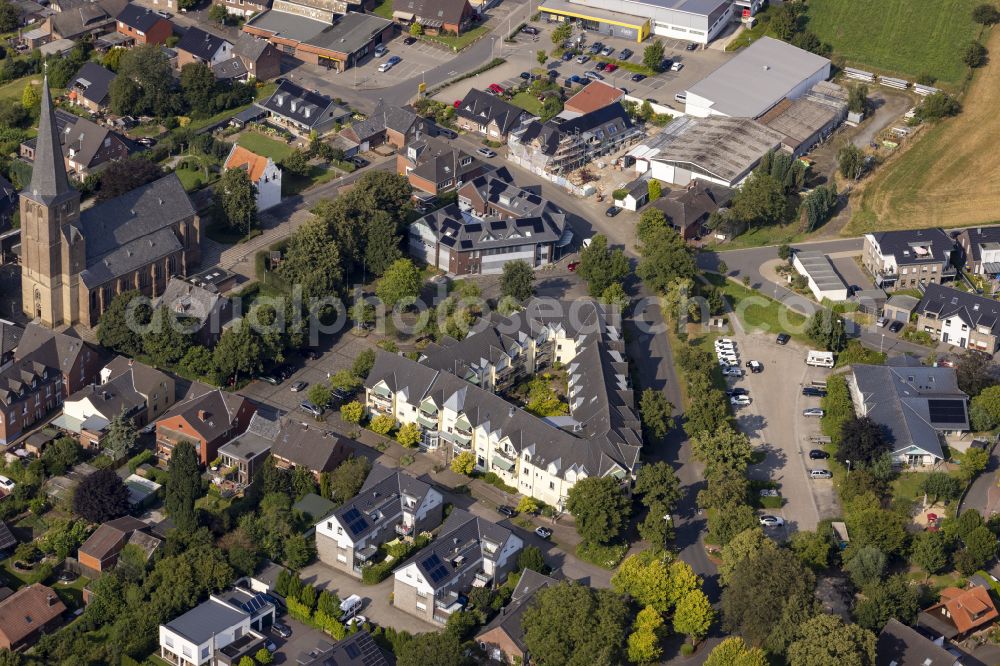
pixel 49 182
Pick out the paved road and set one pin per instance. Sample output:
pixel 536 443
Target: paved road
pixel 984 495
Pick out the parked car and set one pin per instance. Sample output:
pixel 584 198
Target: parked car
pixel 447 132
pixel 813 392
pixel 813 411
pixel 410 40
pixel 543 532
pixel 737 391
pixel 625 54
pixel 380 50
pixel 163 14
pixel 610 68
pixel 271 647
pixel 732 371
pixel 486 152
pixel 312 408
pixel 607 51
pixel 389 64
pixel 299 386
pixel 282 630
pixel 146 142
pixel 530 30
pixel 638 77
pixel 691 46
pixel 820 474
pixel 595 48
pixel 665 64
pixel 771 521
pixel 740 400
pixel 567 56
pixel 783 338
pixel 755 366
pixel 572 266
pixel 882 321
pixel 505 510
pixel 681 97
pixel 768 492
pixel 583 58
pixel 591 74
pixel 525 75
pixel 817 454
pixel 676 67
pixel 357 620
pixel 612 211
pixel 270 379
pixel 896 327
pixel 601 66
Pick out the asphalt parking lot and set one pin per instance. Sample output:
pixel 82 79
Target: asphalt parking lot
pixel 775 422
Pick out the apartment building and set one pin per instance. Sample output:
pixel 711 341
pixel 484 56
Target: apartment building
pixel 390 505
pixel 909 259
pixel 469 552
pixel 959 318
pixel 980 248
pixel 220 631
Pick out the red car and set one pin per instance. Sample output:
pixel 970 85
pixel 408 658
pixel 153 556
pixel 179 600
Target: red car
pixel 611 67
pixel 458 103
pixel 573 265
pixel 495 89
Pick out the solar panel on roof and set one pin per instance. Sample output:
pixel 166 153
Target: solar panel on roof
pixel 436 570
pixel 254 604
pixel 946 411
pixel 355 520
pixel 352 651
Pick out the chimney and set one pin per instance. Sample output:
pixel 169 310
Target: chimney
pixel 50 599
pixel 202 415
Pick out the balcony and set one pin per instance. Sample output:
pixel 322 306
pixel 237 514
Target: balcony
pixel 483 579
pixel 404 530
pixel 427 420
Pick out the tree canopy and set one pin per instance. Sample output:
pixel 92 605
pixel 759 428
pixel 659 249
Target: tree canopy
pixel 599 507
pixel 101 497
pixel 575 625
pixel 601 266
pixel 183 487
pixel 825 639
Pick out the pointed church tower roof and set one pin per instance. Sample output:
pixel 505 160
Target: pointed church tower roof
pixel 49 182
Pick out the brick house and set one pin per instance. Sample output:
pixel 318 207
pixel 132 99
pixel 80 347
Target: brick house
pixel 435 16
pixel 980 248
pixel 503 639
pixel 961 319
pixel 143 25
pixel 959 613
pixel 434 167
pixel 244 8
pixel 489 115
pixel 100 551
pixel 208 420
pixel 28 613
pixel 301 445
pixel 198 46
pixel 77 361
pixel 90 87
pixel 393 125
pixel 260 58
pixel 29 390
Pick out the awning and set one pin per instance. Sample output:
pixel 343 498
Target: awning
pixel 403 16
pixel 68 423
pixel 430 23
pixel 991 268
pixel 503 463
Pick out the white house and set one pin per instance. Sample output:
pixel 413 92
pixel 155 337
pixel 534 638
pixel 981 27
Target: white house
pixel 263 172
pixel 231 619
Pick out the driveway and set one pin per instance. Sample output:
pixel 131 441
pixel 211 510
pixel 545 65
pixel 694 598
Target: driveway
pixel 889 107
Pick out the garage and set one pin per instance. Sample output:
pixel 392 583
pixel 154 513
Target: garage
pixel 899 307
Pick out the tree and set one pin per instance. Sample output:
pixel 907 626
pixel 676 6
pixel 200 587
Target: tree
pixel 941 486
pixel 783 23
pixel 527 504
pixel 852 162
pixel 531 557
pixel 975 373
pixel 516 281
pixel 893 597
pixel 734 651
pixel 652 56
pixel 263 656
pixel 61 455
pixel 435 647
pixel 986 14
pixel 815 549
pixel 728 521
pixel 645 577
pixel 464 463
pixel 866 565
pixel 826 329
pixel 655 411
pixel 416 29
pixel 313 260
pixel 980 549
pixel 183 487
pixel 874 526
pixel 601 266
pixel 236 199
pixel 973 464
pixel 819 205
pixel 363 363
pixel 857 98
pixel 9 19
pixel 930 552
pixel 409 435
pixel 352 412
pixel 825 639
pixel 615 295
pixel 198 85
pixel 381 243
pixel 382 424
pixel 121 176
pixel 657 483
pixel 296 163
pixel 320 395
pixel 938 105
pixel 599 507
pixel 101 497
pixel 400 281
pixel 862 441
pixel 30 97
pixel 541 56
pixel 665 258
pixel 575 625
pixel 693 615
pixel 562 32
pixel 167 337
pixel 347 479
pixel 120 437
pixel 760 200
pixel 218 14
pixel 655 189
pixel 240 351
pixel 745 545
pixel 644 643
pixel 973 55
pixel 120 324
pixel 724 451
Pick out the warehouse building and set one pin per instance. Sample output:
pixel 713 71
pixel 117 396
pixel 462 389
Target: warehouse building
pixel 698 21
pixel 716 150
pixel 339 45
pixel 806 121
pixel 824 281
pixel 756 80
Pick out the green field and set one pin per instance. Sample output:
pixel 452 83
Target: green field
pixel 898 36
pixel 763 313
pixel 266 146
pixel 528 102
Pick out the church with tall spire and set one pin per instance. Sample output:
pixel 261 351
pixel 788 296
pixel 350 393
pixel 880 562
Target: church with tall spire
pixel 74 263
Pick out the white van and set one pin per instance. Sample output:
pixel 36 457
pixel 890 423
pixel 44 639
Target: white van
pixel 350 606
pixel 820 359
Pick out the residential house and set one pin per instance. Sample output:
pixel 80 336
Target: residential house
pixel 90 87
pixel 29 390
pixel 200 308
pixel 980 248
pixel 245 453
pixel 84 19
pixel 301 445
pixel 558 146
pixel 10 336
pixel 595 95
pixel 633 195
pixel 393 125
pixel 28 613
pixel 87 147
pixel 687 210
pixel 208 420
pixel 301 111
pixel 390 505
pixel 90 411
pixel 357 649
pixel 469 552
pixel 158 389
pixel 960 318
pixel 196 45
pixel 435 16
pixel 263 172
pixel 916 405
pixel 434 167
pixel 261 59
pixel 244 8
pixel 489 115
pixel 493 222
pixel 909 259
pixel 503 638
pixel 231 70
pixel 219 631
pixel 143 25
pixel 449 393
pixel 900 645
pixel 76 360
pixel 960 613
pixel 100 551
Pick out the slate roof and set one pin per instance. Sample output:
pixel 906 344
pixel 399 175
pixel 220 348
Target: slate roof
pixel 509 619
pixel 463 231
pixel 144 379
pixel 55 350
pixel 901 244
pixel 310 108
pixel 693 205
pixel 980 235
pixel 250 47
pixel 49 182
pixel 384 117
pixel 234 68
pixel 358 649
pixel 597 125
pixel 92 82
pixel 200 44
pixel 22 613
pixel 139 18
pixel 133 230
pixel 17 379
pixel 606 436
pixel 975 310
pixel 74 22
pixel 207 619
pixel 482 107
pixel 462 534
pixel 309 447
pixel 85 138
pixel 913 403
pixel 10 336
pixel 7 538
pixel 900 645
pixel 382 493
pixel 437 161
pixel 258 438
pixel 112 397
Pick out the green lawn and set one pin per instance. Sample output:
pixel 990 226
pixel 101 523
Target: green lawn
pixel 460 42
pixel 191 179
pixel 898 36
pixel 528 102
pixel 768 234
pixel 266 146
pixel 762 313
pixel 383 9
pixel 11 91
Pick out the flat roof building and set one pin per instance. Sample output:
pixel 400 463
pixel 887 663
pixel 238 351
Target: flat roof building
pixel 338 45
pixel 824 281
pixel 756 79
pixel 698 21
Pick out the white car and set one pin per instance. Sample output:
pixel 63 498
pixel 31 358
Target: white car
pixel 813 411
pixel 676 67
pixel 388 64
pixel 740 400
pixel 772 521
pixel 724 341
pixel 732 372
pixel 6 485
pixel 725 349
pixel 730 359
pixel 358 620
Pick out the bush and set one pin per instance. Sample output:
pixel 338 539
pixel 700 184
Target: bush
pixel 494 480
pixel 607 557
pixel 376 573
pixel 382 424
pixel 140 458
pixel 687 649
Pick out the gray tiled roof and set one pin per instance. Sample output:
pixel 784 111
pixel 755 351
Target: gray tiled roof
pixel 975 310
pixel 462 534
pixel 94 81
pixel 524 594
pixel 385 117
pixel 382 492
pixel 320 108
pixel 437 161
pixel 483 108
pixel 56 350
pixel 313 448
pixel 900 645
pixel 234 68
pixel 140 18
pixel 445 11
pixel 189 300
pixel 358 649
pixel 258 438
pixel 112 398
pixel 463 231
pixel 901 399
pixel 10 336
pixel 199 43
pixel 49 183
pixel 250 47
pixel 900 244
pixel 220 410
